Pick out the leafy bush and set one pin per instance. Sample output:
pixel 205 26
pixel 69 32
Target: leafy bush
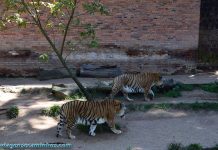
pixel 210 87
pixel 175 146
pixel 76 95
pixel 12 112
pixel 53 111
pixel 173 93
pixel 194 147
pixel 186 87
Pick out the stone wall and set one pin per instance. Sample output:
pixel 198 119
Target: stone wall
pixel 138 35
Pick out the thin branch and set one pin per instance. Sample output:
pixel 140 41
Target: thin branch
pixel 67 27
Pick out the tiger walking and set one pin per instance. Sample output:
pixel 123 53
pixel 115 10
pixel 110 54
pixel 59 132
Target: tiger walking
pixel 135 83
pixel 89 113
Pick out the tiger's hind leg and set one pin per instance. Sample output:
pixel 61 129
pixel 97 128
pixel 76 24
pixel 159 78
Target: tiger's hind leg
pixel 70 125
pixel 126 96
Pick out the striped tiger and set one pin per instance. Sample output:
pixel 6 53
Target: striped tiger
pixel 135 83
pixel 89 113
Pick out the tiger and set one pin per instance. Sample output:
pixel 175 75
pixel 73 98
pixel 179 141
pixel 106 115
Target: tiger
pixel 135 83
pixel 89 113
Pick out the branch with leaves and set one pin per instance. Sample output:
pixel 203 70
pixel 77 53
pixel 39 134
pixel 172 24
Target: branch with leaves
pixel 57 16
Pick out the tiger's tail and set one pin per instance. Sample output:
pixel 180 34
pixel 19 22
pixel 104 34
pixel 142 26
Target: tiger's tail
pixel 61 123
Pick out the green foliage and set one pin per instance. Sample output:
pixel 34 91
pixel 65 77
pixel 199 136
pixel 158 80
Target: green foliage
pixel 75 96
pixel 181 106
pixel 44 57
pixel 95 6
pixel 179 146
pixel 12 112
pixel 53 111
pixel 175 146
pixel 210 87
pixel 173 93
pixel 56 16
pixel 194 147
pixel 186 87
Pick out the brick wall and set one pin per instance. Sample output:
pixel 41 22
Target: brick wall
pixel 134 31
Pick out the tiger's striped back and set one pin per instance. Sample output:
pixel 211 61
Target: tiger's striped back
pixel 130 83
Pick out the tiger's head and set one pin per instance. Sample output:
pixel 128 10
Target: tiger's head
pixel 119 108
pixel 157 79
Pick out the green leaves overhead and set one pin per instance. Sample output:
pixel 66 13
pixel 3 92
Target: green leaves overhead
pixel 61 4
pixel 16 18
pixel 95 6
pixel 89 31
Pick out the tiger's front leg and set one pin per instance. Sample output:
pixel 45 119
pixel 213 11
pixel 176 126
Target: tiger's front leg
pixel 113 128
pixel 146 91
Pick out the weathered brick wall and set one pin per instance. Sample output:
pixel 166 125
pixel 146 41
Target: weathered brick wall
pixel 133 32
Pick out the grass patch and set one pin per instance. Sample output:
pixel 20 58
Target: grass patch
pixel 53 111
pixel 173 93
pixel 77 95
pixel 176 91
pixel 210 87
pixel 179 146
pixel 175 146
pixel 180 106
pixel 12 112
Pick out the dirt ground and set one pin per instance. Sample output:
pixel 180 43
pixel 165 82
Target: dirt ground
pixel 151 130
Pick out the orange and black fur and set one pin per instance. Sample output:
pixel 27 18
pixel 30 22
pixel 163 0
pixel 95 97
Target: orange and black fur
pixel 135 83
pixel 89 113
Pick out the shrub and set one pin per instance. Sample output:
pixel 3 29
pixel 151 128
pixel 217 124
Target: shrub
pixel 210 87
pixel 194 147
pixel 12 112
pixel 175 146
pixel 53 111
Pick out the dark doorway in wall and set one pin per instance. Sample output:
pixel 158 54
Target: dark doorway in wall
pixel 208 34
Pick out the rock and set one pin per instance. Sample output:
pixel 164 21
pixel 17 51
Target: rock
pixel 62 91
pixel 55 74
pixel 89 70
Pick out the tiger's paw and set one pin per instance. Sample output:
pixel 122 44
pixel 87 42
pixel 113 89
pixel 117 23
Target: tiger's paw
pixel 150 97
pixel 129 99
pixel 92 133
pixel 116 131
pixel 58 135
pixel 71 137
pixel 147 99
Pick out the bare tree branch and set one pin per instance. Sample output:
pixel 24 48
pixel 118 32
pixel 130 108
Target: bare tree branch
pixel 67 26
